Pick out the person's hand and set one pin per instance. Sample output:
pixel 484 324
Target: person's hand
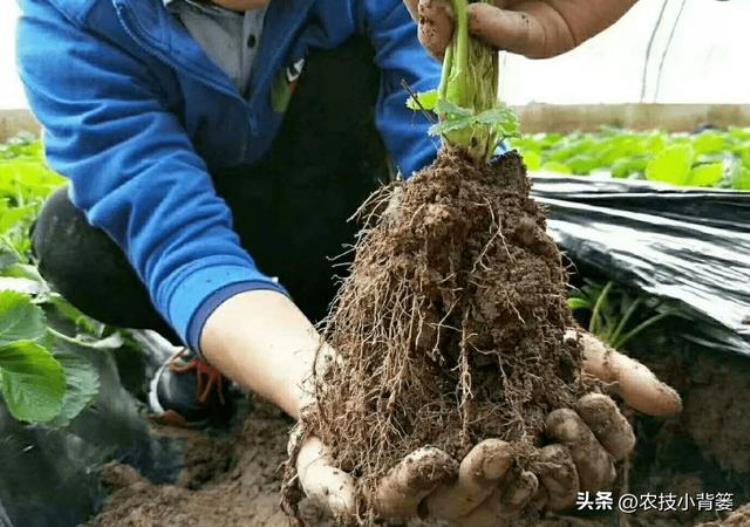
pixel 485 489
pixel 533 28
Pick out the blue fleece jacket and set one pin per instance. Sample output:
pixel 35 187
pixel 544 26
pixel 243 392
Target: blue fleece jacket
pixel 136 116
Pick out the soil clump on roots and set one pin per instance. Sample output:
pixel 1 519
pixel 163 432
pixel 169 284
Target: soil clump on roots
pixel 450 327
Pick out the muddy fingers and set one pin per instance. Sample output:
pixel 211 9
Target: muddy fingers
pixel 435 25
pixel 324 483
pixel 478 477
pixel 637 385
pixel 559 477
pixel 519 492
pixel 505 504
pixel 400 492
pixel 609 425
pixel 595 465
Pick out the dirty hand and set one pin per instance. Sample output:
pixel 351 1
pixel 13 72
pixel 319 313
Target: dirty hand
pixel 534 28
pixel 486 489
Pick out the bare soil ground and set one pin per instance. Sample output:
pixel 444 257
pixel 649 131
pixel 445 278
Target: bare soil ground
pixel 233 480
pixel 227 481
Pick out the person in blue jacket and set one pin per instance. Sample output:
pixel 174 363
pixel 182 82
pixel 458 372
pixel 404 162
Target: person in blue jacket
pixel 215 151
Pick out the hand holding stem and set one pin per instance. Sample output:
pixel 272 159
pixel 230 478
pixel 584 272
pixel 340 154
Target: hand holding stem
pixel 533 28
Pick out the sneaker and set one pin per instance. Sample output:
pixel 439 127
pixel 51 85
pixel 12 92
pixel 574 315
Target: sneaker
pixel 187 392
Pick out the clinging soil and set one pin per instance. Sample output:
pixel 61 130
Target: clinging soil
pixel 450 326
pixel 234 481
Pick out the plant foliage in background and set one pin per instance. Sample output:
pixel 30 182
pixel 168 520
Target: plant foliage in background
pixel 711 158
pixel 40 380
pixel 614 315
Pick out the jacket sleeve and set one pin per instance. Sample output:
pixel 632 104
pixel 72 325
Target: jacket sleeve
pixel 401 57
pixel 132 168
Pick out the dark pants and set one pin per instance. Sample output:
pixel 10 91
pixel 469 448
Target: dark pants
pixel 290 210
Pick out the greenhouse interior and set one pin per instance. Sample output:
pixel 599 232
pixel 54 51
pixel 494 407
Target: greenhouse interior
pixel 474 263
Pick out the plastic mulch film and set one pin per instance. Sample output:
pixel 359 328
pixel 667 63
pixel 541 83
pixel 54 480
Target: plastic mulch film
pixel 4 520
pixel 687 245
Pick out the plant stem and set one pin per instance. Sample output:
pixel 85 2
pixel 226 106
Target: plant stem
pixel 640 328
pixel 97 344
pixel 615 336
pixel 594 323
pixel 470 81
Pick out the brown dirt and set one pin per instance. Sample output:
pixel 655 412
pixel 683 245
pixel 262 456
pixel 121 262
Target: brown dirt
pixel 227 482
pixel 704 449
pixel 739 518
pixel 234 481
pixel 450 324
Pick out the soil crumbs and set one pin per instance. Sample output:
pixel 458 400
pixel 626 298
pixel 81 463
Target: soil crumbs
pixel 235 480
pixel 227 482
pixel 450 326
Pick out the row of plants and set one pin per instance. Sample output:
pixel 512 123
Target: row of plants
pixel 42 379
pixel 43 382
pixel 711 158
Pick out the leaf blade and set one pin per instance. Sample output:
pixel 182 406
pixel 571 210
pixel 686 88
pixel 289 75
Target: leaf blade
pixel 19 318
pixel 33 382
pixel 81 387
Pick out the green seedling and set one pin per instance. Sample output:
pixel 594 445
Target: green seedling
pixel 470 113
pixel 616 317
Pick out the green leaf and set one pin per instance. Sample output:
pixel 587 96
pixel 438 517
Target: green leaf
pixel 741 180
pixel 425 101
pixel 81 387
pixel 709 143
pixel 33 382
pixel 576 303
pixel 502 119
pixel 452 125
pixel 500 115
pixel 532 160
pixel 625 167
pixel 556 166
pixel 82 322
pixel 31 178
pixel 10 217
pixel 19 318
pixel 20 285
pixel 582 164
pixel 7 258
pixel 672 165
pixel 740 134
pixel 449 109
pixel 708 175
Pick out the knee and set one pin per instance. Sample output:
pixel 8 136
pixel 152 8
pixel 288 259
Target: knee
pixel 84 265
pixel 65 245
pixel 56 222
